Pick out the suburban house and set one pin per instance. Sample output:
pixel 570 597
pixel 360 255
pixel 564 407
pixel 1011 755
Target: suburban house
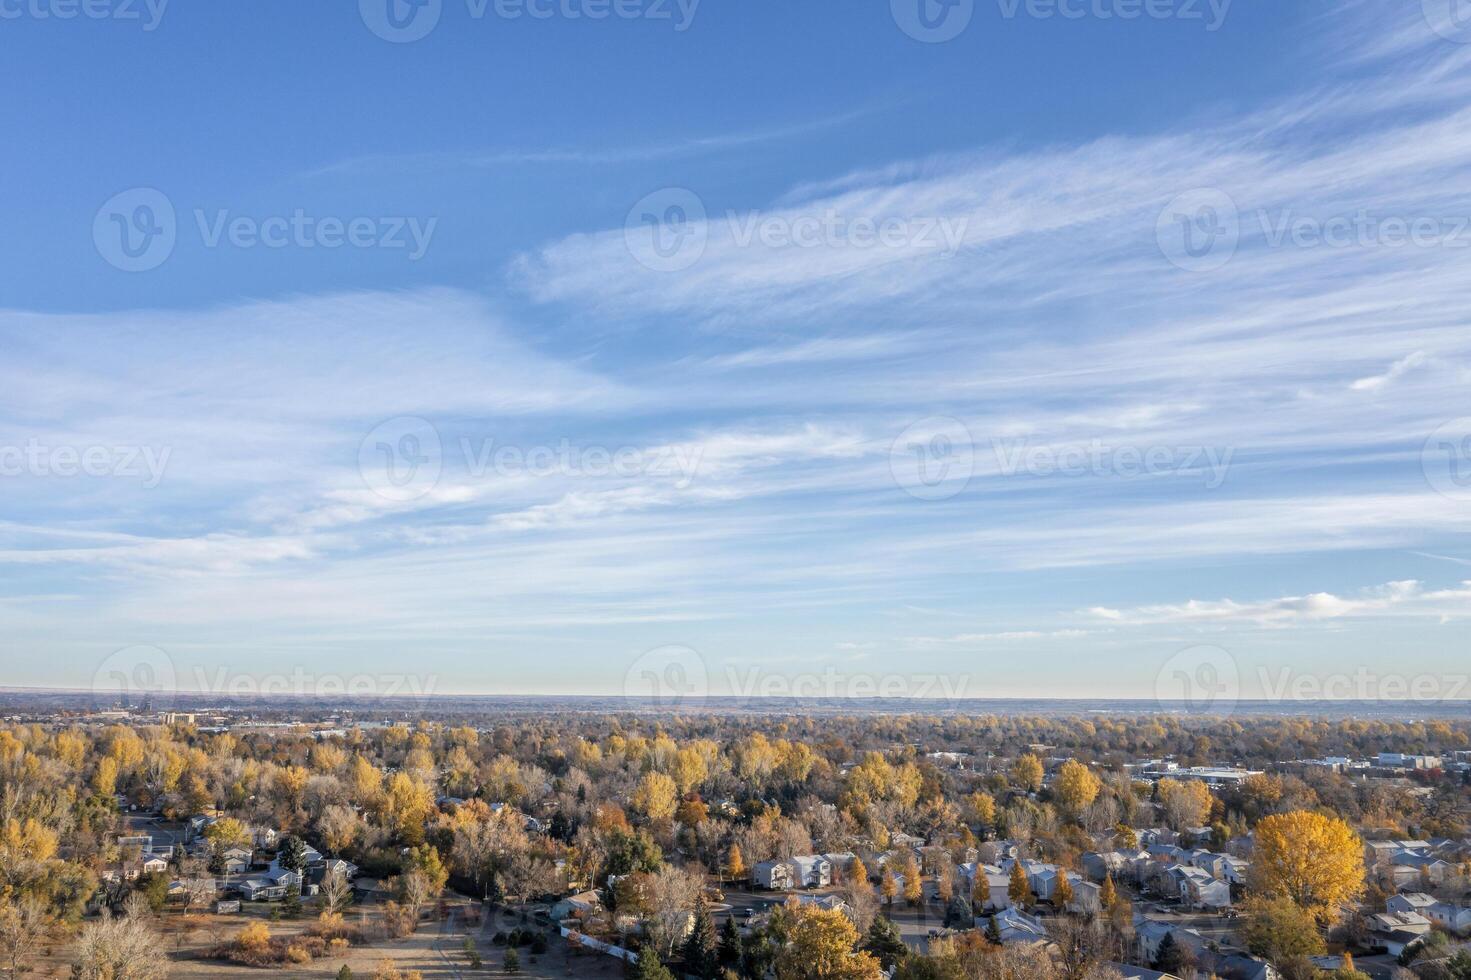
pixel 580 905
pixel 1098 865
pixel 1410 902
pixel 1226 867
pixel 1199 889
pixel 1139 973
pixel 274 883
pixel 825 902
pixel 1149 933
pixel 195 826
pixel 841 861
pixel 1044 881
pixel 1156 835
pixel 812 871
pixel 774 875
pixel 1015 926
pixel 1456 918
pixel 1087 897
pixel 995 885
pixel 1396 931
pixel 236 860
pixel 1245 967
pixel 803 871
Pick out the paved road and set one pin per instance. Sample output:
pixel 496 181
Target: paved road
pixel 161 832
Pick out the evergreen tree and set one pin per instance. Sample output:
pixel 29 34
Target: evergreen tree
pixel 993 931
pixel 345 973
pixel 293 854
pixel 1169 958
pixel 512 961
pixel 730 944
pixel 291 904
pixel 885 942
pixel 701 950
pixel 649 967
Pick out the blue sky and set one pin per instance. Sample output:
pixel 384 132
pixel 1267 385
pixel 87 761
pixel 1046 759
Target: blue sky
pixel 1047 349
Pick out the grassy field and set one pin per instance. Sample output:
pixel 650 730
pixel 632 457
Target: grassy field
pixel 436 950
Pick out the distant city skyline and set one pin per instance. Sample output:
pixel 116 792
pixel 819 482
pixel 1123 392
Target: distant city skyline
pixel 750 350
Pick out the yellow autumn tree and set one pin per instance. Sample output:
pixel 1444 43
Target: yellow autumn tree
pixel 1026 772
pixel 1076 787
pixel 735 863
pixel 1315 860
pixel 656 796
pixel 821 944
pixel 1062 896
pixel 983 805
pixel 1019 888
pixel 913 883
pixel 1187 802
pixel 409 804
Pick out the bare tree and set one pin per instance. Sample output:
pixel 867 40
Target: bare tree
pixel 22 924
pixel 120 949
pixel 198 893
pixel 672 893
pixel 336 892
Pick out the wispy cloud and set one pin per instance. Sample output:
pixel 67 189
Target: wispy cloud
pixel 654 149
pixel 1406 598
